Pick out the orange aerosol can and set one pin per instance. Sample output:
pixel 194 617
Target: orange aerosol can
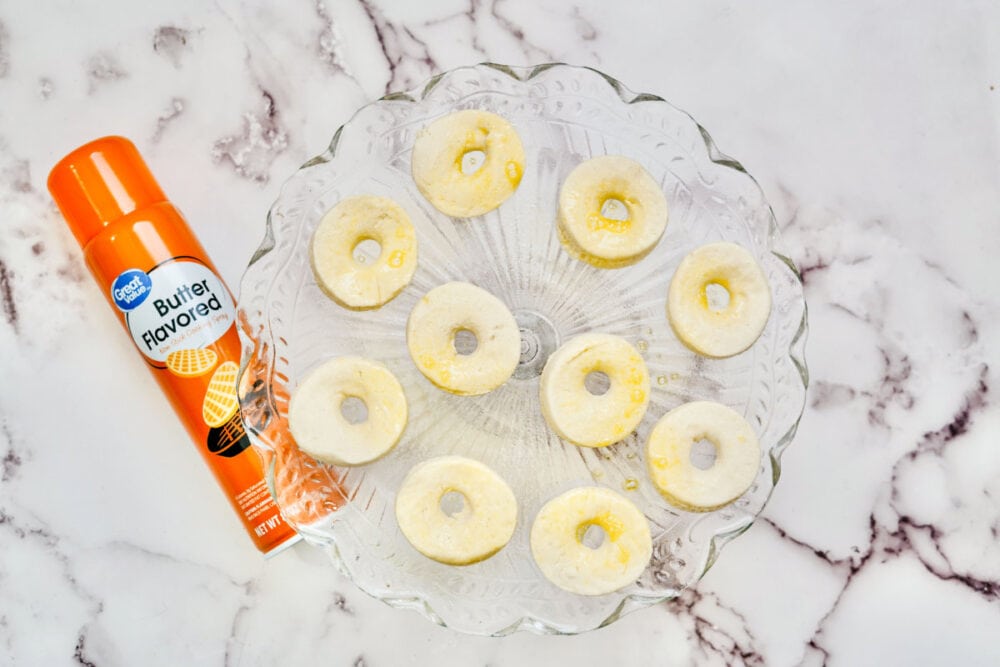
pixel 181 317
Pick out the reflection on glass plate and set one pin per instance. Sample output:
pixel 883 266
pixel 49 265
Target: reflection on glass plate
pixel 564 115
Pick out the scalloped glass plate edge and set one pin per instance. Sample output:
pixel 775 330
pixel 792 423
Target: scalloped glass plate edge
pixel 258 353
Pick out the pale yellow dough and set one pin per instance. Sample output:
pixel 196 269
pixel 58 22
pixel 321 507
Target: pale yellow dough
pixel 440 315
pixel 483 526
pixel 603 241
pixel 357 285
pixel 733 329
pixel 438 152
pixel 558 549
pixel 578 415
pixel 322 431
pixel 668 456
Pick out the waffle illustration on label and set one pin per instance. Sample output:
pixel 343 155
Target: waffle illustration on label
pixel 191 363
pixel 220 398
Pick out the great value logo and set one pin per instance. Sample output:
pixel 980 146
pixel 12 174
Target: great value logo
pixel 130 289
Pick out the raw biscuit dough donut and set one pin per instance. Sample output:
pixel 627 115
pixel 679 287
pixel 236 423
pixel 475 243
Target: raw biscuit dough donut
pixel 482 526
pixel 726 331
pixel 557 541
pixel 444 312
pixel 607 242
pixel 580 416
pixel 668 456
pixel 438 155
pixel 356 285
pixel 317 421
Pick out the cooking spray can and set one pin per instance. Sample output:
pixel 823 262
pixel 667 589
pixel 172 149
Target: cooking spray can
pixel 182 319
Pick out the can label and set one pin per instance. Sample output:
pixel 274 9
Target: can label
pixel 182 318
pixel 180 304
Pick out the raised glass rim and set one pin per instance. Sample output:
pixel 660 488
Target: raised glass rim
pixel 252 340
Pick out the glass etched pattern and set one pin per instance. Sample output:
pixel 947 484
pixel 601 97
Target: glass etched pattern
pixel 564 115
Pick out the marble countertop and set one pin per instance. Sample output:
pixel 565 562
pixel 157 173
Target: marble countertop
pixel 872 129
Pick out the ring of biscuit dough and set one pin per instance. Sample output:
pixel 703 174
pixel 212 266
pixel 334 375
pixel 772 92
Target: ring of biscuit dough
pixel 668 456
pixel 439 154
pixel 349 282
pixel 319 425
pixel 726 331
pixel 438 318
pixel 576 414
pixel 609 242
pixel 559 550
pixel 481 527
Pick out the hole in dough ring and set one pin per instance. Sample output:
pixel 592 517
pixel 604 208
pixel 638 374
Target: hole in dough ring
pixel 608 242
pixel 559 550
pixel 730 330
pixel 440 315
pixel 683 484
pixel 586 419
pixel 439 149
pixel 482 527
pixel 353 220
pixel 323 431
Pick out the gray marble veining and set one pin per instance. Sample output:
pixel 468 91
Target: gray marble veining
pixel 872 129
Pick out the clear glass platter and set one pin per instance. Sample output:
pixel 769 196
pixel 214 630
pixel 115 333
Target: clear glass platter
pixel 564 115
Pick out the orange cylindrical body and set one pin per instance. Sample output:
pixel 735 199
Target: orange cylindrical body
pixel 159 281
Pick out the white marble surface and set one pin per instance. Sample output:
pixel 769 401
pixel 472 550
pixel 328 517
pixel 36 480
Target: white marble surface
pixel 872 128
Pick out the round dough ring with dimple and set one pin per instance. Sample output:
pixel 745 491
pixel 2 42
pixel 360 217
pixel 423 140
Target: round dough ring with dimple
pixel 668 456
pixel 353 220
pixel 321 429
pixel 440 315
pixel 730 330
pixel 438 153
pixel 558 549
pixel 483 525
pixel 580 416
pixel 602 241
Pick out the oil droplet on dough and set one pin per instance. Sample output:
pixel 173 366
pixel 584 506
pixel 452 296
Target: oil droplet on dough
pixel 630 484
pixel 661 380
pixel 396 259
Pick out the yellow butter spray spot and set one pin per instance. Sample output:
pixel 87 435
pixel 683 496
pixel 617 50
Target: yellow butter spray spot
pixel 611 525
pixel 514 171
pixel 598 223
pixel 397 258
pixel 623 555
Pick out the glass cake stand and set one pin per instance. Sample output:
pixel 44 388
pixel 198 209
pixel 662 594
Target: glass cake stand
pixel 564 115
